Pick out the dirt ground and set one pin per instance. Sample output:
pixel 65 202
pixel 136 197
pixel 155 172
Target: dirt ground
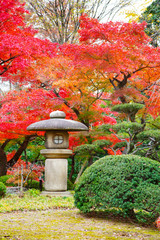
pixel 68 224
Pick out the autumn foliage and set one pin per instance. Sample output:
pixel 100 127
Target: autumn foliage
pixel 19 46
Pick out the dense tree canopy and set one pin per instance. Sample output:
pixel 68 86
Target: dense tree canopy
pixel 111 57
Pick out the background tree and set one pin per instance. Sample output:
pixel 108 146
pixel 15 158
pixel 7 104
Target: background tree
pixel 133 12
pixel 58 20
pixel 152 16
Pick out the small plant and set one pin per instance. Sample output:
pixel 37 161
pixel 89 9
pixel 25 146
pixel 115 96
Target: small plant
pixel 33 192
pixel 127 182
pixel 5 178
pixel 3 189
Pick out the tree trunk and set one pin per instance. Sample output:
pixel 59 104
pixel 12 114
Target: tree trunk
pixel 3 162
pixel 3 159
pixel 90 161
pixel 81 170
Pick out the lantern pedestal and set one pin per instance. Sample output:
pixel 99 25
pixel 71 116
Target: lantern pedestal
pixel 56 169
pixel 56 153
pixel 58 194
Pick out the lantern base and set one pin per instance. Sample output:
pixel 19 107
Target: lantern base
pixel 57 194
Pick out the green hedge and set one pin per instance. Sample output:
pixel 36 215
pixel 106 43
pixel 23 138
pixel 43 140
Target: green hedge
pixel 3 189
pixel 128 183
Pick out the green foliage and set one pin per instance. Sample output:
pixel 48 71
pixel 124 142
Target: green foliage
pixel 33 192
pixel 120 145
pixel 102 143
pixel 137 138
pixel 155 134
pixel 32 184
pixel 125 182
pixel 31 154
pixel 13 202
pixel 128 107
pixel 88 151
pixel 133 127
pixel 106 128
pixel 151 142
pixel 4 179
pixel 156 123
pixel 33 150
pixel 152 16
pixel 3 189
pixel 148 198
pixel 127 126
pixel 85 149
pixel 70 185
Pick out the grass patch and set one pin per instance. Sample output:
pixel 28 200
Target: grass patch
pixel 34 202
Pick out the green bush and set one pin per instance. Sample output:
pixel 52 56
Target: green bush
pixel 4 179
pixel 32 184
pixel 3 189
pixel 128 183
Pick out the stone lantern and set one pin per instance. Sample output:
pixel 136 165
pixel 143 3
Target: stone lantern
pixel 56 152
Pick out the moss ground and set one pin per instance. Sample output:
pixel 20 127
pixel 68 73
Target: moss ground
pixel 60 220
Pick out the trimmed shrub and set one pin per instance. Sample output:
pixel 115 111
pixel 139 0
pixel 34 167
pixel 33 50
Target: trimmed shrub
pixel 129 183
pixel 128 108
pixel 3 189
pixel 4 179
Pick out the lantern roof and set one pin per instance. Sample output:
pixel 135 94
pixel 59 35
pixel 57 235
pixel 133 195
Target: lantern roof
pixel 57 122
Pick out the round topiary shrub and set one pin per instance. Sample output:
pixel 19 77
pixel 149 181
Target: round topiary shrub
pixel 128 183
pixel 3 189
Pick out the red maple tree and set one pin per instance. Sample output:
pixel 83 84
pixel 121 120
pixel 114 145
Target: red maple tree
pixel 19 47
pixel 111 57
pixel 121 56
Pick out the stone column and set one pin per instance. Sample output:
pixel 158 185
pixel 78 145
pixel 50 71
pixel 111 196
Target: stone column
pixel 56 169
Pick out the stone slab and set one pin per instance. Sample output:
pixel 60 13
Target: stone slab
pixel 56 175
